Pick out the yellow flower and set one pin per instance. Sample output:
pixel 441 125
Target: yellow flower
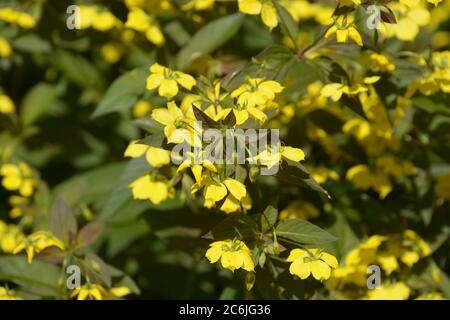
pixel 270 158
pixel 196 165
pixel 442 187
pixel 215 190
pixel 155 189
pixel 10 237
pixel 22 19
pixel 396 291
pixel 322 174
pixel 98 18
pixel 167 81
pixel 344 29
pixel 142 109
pixel 312 261
pixel 112 52
pixel 233 254
pixel 5 48
pixel 409 21
pixel 6 105
pixel 6 294
pixel 18 177
pixel 256 92
pixel 36 242
pixel 431 296
pixel 300 210
pixel 376 62
pixel 199 5
pixel 19 205
pixel 89 291
pixel 363 178
pixel 265 8
pixel 395 167
pixel 336 90
pixel 179 123
pixel 140 21
pixel 157 157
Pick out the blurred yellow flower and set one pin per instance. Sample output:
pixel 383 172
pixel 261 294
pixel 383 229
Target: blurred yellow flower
pixel 6 294
pixel 396 291
pixel 299 210
pixel 6 104
pixel 5 48
pixel 140 21
pixel 18 177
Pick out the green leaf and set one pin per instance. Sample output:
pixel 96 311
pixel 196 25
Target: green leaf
pixel 77 69
pixel 296 173
pixel 303 232
pixel 288 23
pixel 431 106
pixel 32 43
pixel 62 220
pixel 36 277
pixel 269 218
pixel 39 102
pixel 209 38
pixel 123 92
pixel 232 227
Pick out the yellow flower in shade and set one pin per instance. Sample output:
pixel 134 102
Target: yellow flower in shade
pixel 155 189
pixel 396 291
pixel 395 167
pixel 140 21
pixel 233 254
pixel 36 242
pixel 10 237
pixel 409 21
pixel 18 177
pixel 112 52
pixel 265 8
pixel 363 178
pixel 322 174
pixel 313 261
pixel 142 109
pixel 344 29
pixel 5 48
pixel 336 90
pixel 431 296
pixel 22 19
pixel 300 210
pixel 199 5
pixel 6 294
pixel 376 62
pixel 157 157
pixel 256 92
pixel 6 105
pixel 98 18
pixel 19 209
pixel 167 81
pixel 215 190
pixel 179 123
pixel 89 291
pixel 270 158
pixel 442 186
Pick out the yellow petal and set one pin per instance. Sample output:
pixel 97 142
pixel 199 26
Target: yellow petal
pixel 320 270
pixel 294 154
pixel 300 269
pixel 135 149
pixel 185 80
pixel 158 157
pixel 236 188
pixel 250 6
pixel 269 15
pixel 168 88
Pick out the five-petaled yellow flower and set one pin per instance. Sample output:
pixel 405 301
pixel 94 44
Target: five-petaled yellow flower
pixel 167 81
pixel 312 261
pixel 344 29
pixel 152 187
pixel 233 254
pixel 256 92
pixel 36 242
